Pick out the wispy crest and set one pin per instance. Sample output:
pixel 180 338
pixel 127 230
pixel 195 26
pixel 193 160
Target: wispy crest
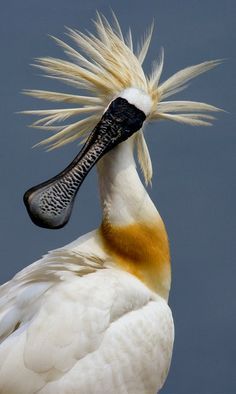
pixel 105 65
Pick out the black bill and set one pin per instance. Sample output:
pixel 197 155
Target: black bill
pixel 50 203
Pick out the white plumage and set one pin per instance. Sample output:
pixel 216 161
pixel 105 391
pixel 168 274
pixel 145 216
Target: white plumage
pixel 85 338
pixel 84 327
pixel 92 317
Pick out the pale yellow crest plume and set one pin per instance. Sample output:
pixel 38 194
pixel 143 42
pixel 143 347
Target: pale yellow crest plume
pixel 144 157
pixel 105 64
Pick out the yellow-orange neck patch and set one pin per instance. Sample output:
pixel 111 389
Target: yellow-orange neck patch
pixel 142 249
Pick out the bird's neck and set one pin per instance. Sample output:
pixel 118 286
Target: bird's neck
pixel 132 231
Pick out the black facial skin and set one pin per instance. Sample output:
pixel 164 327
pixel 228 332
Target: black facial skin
pixel 50 203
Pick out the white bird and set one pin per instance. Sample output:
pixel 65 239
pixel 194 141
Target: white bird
pixel 92 316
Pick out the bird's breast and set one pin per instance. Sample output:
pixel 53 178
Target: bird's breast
pixel 141 249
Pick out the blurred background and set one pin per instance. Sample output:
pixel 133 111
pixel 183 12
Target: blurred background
pixel 194 168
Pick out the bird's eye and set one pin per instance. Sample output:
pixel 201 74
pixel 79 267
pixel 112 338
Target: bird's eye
pixel 127 115
pixel 135 123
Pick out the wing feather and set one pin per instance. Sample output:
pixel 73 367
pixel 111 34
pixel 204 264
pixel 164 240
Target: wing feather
pixel 75 319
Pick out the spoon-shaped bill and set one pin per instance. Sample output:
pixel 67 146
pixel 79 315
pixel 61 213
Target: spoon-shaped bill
pixel 50 203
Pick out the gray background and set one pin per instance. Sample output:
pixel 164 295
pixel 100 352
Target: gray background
pixel 194 168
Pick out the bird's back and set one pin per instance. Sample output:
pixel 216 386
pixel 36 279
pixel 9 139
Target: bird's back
pixel 84 329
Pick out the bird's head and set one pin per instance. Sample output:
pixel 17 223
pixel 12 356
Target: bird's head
pixel 122 98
